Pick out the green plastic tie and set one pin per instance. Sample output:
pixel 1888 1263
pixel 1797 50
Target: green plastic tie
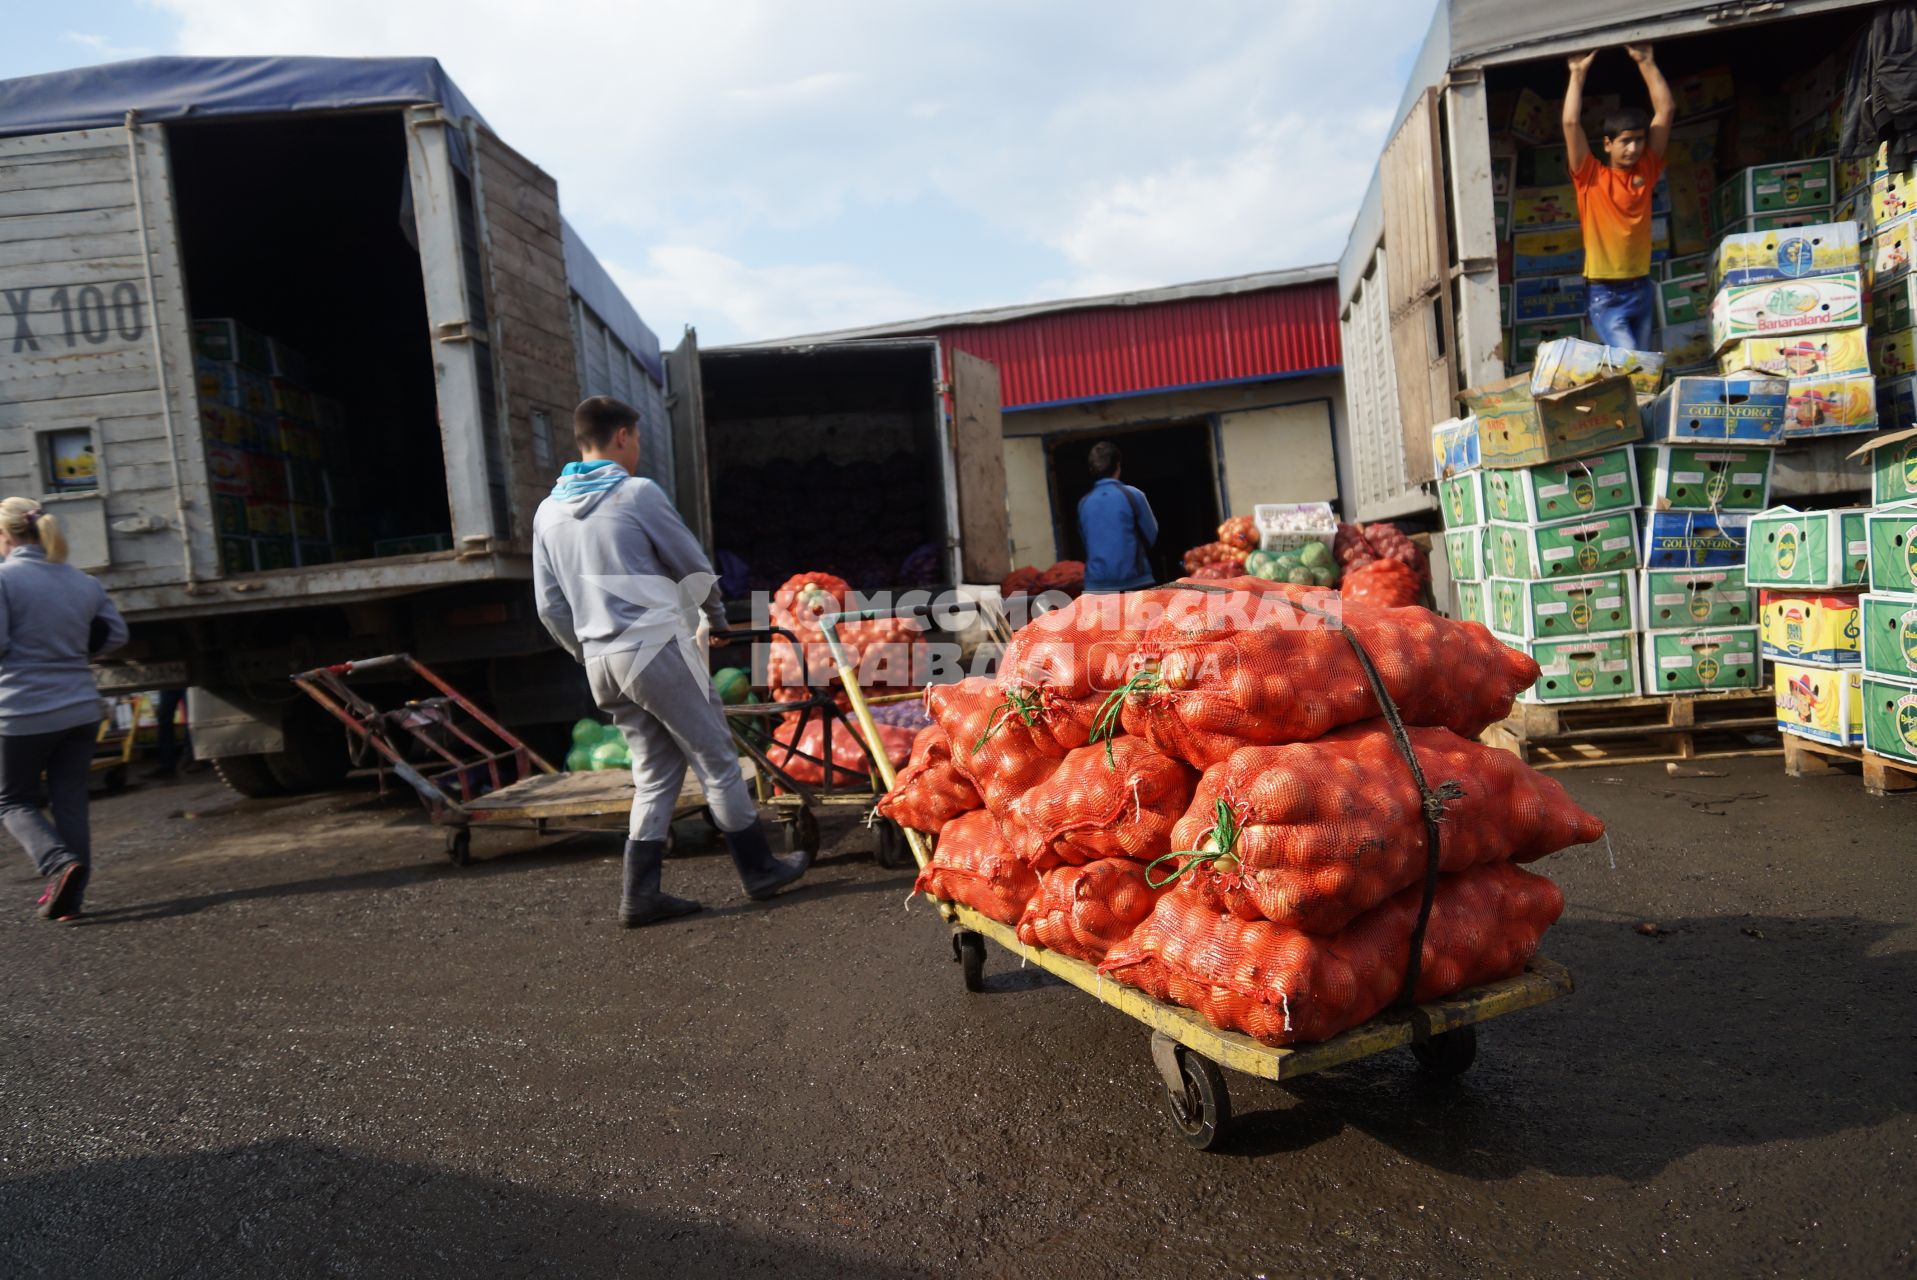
pixel 1223 838
pixel 1105 724
pixel 1023 703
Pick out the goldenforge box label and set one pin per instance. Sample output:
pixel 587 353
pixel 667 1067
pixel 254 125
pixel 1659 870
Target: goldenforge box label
pixel 1694 539
pixel 1740 409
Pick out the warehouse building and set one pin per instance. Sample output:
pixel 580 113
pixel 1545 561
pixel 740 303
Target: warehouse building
pixel 1222 394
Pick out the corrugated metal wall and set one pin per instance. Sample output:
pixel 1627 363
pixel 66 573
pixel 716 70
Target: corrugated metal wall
pixel 1112 351
pixel 608 368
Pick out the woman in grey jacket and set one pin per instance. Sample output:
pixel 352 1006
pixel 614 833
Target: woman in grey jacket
pixel 53 620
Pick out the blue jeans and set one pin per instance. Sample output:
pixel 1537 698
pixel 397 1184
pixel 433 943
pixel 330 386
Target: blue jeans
pixel 1621 312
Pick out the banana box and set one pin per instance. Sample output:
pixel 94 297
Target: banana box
pixel 1894 354
pixel 1528 337
pixel 1818 249
pixel 1808 549
pixel 1560 490
pixel 1814 628
pixel 1580 669
pixel 1822 703
pixel 1553 252
pixel 1704 478
pixel 268 519
pixel 1548 166
pixel 223 424
pixel 1671 599
pixel 1464 553
pixel 1533 208
pixel 1694 539
pixel 1517 429
pixel 310 522
pixel 1890 717
pixel 1502 168
pixel 1891 249
pixel 226 468
pixel 1891 533
pixel 1506 306
pixel 1563 549
pixel 1461 499
pixel 1893 461
pixel 1890 304
pixel 1501 219
pixel 1687 345
pixel 1682 299
pixel 1703 91
pixel 1776 188
pixel 1549 298
pixel 1454 446
pixel 1702 660
pixel 1777 308
pixel 1742 409
pixel 1890 635
pixel 229 516
pixel 1602 604
pixel 1831 406
pixel 1565 363
pixel 1759 223
pixel 1470 601
pixel 274 553
pixel 1892 197
pixel 1853 172
pixel 236 554
pixel 1531 117
pixel 1810 355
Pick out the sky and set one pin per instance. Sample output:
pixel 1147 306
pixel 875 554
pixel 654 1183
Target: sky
pixel 765 168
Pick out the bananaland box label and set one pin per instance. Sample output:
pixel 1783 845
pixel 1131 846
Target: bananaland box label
pixel 1811 628
pixel 1890 635
pixel 1822 703
pixel 1560 490
pixel 1553 608
pixel 1890 717
pixel 1694 539
pixel 1791 548
pixel 1696 661
pixel 1581 669
pixel 1786 307
pixel 1704 478
pixel 1568 548
pixel 1892 535
pixel 1673 599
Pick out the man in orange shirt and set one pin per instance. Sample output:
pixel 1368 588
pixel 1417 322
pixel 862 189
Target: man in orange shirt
pixel 1614 201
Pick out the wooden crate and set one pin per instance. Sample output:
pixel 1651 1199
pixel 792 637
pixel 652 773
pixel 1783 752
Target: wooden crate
pixel 1805 758
pixel 1618 731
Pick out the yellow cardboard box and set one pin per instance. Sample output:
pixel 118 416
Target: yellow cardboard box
pixel 1820 628
pixel 1807 355
pixel 1544 207
pixel 1894 355
pixel 1572 362
pixel 1891 197
pixel 1821 702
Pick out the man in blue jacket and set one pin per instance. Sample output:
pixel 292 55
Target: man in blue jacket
pixel 1118 528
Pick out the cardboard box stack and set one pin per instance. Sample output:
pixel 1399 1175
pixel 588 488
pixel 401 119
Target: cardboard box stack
pixel 1811 568
pixel 265 438
pixel 1886 622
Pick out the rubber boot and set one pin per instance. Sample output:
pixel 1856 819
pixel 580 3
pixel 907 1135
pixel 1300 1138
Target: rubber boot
pixel 642 901
pixel 762 872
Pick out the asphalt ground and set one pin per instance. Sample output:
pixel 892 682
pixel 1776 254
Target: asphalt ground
pixel 292 1039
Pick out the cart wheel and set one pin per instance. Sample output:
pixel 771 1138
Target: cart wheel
pixel 804 832
pixel 115 781
pixel 893 852
pixel 1201 1106
pixel 968 949
pixel 1449 1053
pixel 459 846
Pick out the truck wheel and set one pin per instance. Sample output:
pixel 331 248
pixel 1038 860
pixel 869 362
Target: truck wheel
pixel 315 755
pixel 249 776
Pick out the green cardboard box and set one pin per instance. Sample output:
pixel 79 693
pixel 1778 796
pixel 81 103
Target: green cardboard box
pixel 1553 608
pixel 1528 335
pixel 1581 669
pixel 1776 188
pixel 1461 500
pixel 1560 490
pixel 1893 465
pixel 1890 635
pixel 1791 548
pixel 1891 533
pixel 1890 717
pixel 1682 299
pixel 1470 596
pixel 1672 599
pixel 1516 429
pixel 1890 304
pixel 1464 553
pixel 1571 548
pixel 1696 661
pixel 1684 477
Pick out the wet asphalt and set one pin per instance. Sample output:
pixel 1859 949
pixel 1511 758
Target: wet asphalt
pixel 292 1039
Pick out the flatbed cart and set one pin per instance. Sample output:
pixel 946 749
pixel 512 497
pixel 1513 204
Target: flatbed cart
pixel 469 770
pixel 1188 1051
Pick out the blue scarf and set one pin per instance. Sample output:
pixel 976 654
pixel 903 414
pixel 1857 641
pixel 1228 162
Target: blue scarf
pixel 577 479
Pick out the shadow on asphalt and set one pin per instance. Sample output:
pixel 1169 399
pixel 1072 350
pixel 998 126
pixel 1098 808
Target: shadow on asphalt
pixel 292 1207
pixel 1729 1031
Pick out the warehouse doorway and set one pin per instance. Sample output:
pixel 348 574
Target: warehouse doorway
pixel 301 229
pixel 1175 465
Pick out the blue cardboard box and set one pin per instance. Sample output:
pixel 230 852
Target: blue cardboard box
pixel 1695 539
pixel 1548 297
pixel 1454 447
pixel 1741 408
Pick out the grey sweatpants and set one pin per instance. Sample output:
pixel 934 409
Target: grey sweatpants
pixel 65 758
pixel 671 718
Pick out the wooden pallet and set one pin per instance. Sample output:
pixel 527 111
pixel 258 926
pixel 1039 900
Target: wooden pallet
pixel 1806 758
pixel 1619 731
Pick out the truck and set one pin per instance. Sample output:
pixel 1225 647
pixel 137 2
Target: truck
pixel 1421 309
pixel 291 346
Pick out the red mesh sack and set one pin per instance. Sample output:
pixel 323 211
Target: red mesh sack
pixel 1085 648
pixel 1284 986
pixel 1019 582
pixel 929 792
pixel 1067 576
pixel 1240 532
pixel 1255 667
pixel 1085 911
pixel 811 594
pixel 1120 802
pixel 791 741
pixel 1214 553
pixel 971 865
pixel 1388 584
pixel 1003 750
pixel 1313 834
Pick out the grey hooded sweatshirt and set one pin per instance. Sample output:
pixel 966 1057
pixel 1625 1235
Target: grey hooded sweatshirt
pixel 614 567
pixel 53 618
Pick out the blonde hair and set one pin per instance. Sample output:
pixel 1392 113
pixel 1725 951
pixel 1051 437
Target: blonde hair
pixel 26 521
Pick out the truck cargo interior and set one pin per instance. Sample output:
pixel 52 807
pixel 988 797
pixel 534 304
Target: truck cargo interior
pixel 301 229
pixel 1174 465
pixel 838 470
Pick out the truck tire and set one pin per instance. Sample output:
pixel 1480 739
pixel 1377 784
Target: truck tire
pixel 249 776
pixel 314 758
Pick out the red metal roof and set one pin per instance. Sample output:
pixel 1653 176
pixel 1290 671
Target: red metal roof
pixel 1101 352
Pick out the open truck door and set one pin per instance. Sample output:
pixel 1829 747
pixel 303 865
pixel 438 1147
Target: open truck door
pixel 977 466
pixel 97 397
pixel 685 406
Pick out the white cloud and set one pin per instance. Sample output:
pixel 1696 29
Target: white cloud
pixel 757 142
pixel 105 49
